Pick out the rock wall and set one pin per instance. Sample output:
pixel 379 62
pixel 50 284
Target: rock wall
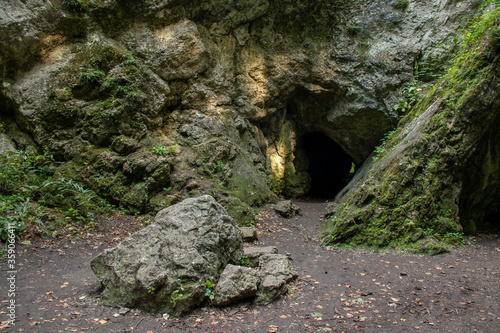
pixel 152 101
pixel 437 174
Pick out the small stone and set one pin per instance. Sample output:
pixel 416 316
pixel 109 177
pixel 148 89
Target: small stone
pixel 235 283
pixel 249 234
pixel 287 209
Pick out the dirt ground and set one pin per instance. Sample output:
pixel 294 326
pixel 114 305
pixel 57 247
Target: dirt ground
pixel 338 290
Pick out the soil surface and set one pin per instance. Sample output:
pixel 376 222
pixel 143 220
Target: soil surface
pixel 338 290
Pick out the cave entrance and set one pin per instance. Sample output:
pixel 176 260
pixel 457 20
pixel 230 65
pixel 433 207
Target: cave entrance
pixel 491 224
pixel 329 167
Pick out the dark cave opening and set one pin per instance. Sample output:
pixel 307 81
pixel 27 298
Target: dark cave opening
pixel 490 224
pixel 329 166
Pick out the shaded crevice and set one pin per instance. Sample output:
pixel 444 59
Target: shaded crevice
pixel 480 196
pixel 329 165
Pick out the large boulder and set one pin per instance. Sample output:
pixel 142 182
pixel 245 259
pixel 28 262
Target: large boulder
pixel 165 266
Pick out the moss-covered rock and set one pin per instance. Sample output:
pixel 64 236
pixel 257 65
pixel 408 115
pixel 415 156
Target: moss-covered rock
pixel 436 175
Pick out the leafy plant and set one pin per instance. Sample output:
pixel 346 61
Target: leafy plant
pixel 209 291
pixel 177 294
pixel 383 146
pixel 220 167
pixel 92 76
pixel 409 95
pixel 245 261
pixel 12 217
pixel 164 150
pixel 151 290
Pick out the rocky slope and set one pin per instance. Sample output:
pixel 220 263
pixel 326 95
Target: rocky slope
pixel 147 102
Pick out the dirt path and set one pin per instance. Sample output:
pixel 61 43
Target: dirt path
pixel 338 289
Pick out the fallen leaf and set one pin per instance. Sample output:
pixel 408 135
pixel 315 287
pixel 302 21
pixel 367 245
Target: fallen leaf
pixel 49 293
pixel 102 321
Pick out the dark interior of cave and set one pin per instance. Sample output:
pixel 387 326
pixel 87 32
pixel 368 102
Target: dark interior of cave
pixel 329 165
pixel 490 224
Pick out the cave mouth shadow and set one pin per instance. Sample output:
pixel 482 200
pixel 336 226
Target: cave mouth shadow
pixel 490 224
pixel 329 166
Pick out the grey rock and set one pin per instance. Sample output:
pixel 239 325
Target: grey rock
pixel 276 271
pixel 256 252
pixel 164 267
pixel 125 145
pixel 287 209
pixel 235 283
pixel 252 254
pixel 431 246
pixel 249 234
pixel 175 52
pixel 6 144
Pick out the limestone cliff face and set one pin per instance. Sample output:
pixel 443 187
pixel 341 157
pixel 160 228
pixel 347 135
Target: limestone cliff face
pixel 171 98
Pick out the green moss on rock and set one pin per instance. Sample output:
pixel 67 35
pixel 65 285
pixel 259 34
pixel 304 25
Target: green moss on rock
pixel 437 174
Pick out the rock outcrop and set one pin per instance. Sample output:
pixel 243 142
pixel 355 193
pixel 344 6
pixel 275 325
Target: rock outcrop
pixel 165 266
pixel 437 173
pixel 150 102
pixel 175 264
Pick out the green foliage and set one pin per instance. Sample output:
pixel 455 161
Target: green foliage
pixel 151 290
pixel 92 76
pixel 245 261
pixel 177 294
pixel 425 73
pixel 165 150
pixel 13 214
pixel 401 4
pixel 409 95
pixel 219 166
pixel 383 147
pixel 28 189
pixel 209 291
pixel 488 2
